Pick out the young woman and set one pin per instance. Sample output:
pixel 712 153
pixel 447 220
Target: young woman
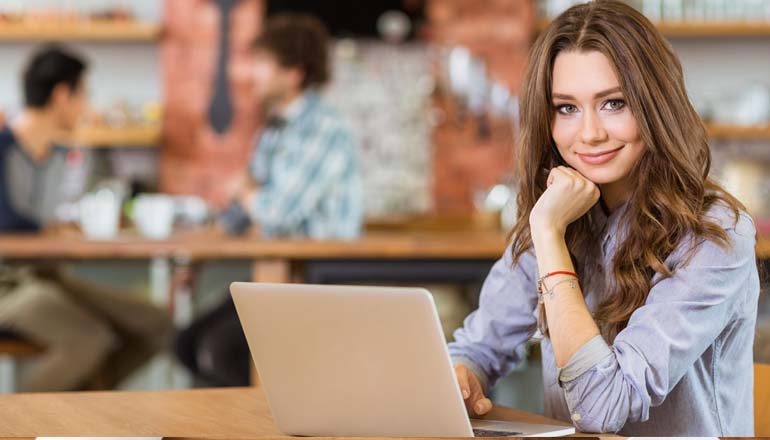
pixel 638 270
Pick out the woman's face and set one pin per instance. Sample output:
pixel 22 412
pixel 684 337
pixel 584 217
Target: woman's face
pixel 593 128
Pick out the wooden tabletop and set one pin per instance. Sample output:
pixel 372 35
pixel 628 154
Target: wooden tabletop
pixel 202 245
pixel 210 413
pixel 210 245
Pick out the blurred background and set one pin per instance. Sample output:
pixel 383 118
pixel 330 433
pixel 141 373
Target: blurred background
pixel 429 90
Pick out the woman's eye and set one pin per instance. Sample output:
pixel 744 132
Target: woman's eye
pixel 566 109
pixel 614 104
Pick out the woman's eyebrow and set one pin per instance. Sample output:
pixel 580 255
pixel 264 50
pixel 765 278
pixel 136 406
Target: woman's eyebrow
pixel 596 96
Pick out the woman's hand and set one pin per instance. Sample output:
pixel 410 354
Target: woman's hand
pixel 476 402
pixel 568 197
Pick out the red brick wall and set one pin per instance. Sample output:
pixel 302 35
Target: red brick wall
pixel 500 33
pixel 194 158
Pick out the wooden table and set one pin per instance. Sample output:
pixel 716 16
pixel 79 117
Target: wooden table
pixel 272 259
pixel 211 413
pixel 209 245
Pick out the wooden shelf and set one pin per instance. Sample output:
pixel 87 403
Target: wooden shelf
pixel 105 137
pixel 94 31
pixel 738 132
pixel 704 29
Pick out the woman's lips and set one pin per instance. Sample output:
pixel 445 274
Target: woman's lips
pixel 599 159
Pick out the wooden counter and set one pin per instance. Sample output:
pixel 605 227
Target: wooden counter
pixel 205 245
pixel 210 413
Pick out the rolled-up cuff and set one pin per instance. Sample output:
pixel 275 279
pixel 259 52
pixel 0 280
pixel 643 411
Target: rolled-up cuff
pixel 590 354
pixel 469 364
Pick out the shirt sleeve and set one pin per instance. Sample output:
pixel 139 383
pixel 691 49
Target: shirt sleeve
pixel 288 199
pixel 606 387
pixel 505 319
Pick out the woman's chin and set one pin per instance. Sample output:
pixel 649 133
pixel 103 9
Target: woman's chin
pixel 601 177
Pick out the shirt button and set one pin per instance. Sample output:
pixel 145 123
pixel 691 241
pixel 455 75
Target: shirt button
pixel 576 417
pixel 599 268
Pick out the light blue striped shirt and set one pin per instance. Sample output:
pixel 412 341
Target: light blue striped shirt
pixel 309 175
pixel 682 367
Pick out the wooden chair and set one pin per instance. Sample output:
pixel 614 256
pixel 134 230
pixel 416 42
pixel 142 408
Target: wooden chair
pixel 762 400
pixel 12 349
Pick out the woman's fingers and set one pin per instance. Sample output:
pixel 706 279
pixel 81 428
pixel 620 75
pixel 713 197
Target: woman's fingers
pixel 578 181
pixel 554 174
pixel 475 401
pixel 461 372
pixel 482 406
pixel 477 404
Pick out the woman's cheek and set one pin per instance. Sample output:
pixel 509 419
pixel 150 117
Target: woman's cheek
pixel 622 127
pixel 563 132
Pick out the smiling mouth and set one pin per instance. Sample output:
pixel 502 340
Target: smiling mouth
pixel 599 154
pixel 599 158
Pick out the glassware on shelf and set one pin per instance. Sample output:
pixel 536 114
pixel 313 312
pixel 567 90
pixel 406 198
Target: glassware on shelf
pixel 385 92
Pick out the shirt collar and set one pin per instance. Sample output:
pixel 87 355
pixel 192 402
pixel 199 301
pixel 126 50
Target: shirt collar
pixel 300 104
pixel 606 227
pixel 601 218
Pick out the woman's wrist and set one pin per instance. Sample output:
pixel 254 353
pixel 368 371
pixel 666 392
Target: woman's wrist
pixel 546 233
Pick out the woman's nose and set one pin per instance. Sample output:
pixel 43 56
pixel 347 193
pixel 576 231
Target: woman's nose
pixel 592 131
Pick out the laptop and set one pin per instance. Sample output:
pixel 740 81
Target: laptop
pixel 350 361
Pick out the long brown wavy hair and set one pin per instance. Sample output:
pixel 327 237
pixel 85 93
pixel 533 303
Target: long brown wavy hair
pixel 672 189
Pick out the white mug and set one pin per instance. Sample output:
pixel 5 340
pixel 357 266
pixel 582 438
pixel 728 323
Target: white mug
pixel 154 215
pixel 99 214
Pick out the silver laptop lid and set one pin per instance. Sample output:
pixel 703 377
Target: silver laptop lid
pixel 352 361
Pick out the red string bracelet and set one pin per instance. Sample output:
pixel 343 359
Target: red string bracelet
pixel 550 274
pixel 558 272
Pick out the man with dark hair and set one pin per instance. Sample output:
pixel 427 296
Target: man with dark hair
pixel 298 44
pixel 305 177
pixel 50 68
pixel 55 98
pixel 82 329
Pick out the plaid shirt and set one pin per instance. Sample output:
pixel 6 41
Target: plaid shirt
pixel 308 170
